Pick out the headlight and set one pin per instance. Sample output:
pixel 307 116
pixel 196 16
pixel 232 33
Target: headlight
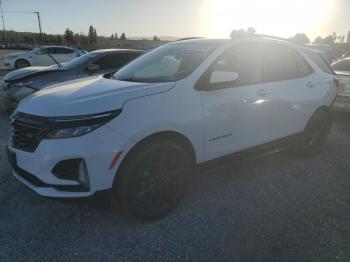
pixel 65 127
pixel 26 83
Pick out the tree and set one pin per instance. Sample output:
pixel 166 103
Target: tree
pixel 301 38
pixel 68 36
pixel 112 37
pixel 116 36
pixel 95 35
pixel 123 37
pixel 318 40
pixel 156 38
pixel 242 32
pixel 92 36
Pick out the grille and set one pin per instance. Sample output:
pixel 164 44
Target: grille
pixel 27 131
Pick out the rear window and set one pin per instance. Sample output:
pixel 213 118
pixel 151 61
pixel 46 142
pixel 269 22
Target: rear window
pixel 343 65
pixel 278 63
pixel 320 61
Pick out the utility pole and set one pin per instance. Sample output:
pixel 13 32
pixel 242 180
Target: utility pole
pixel 3 23
pixel 41 33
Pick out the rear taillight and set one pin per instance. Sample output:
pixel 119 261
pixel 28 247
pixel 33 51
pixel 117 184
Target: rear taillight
pixel 337 83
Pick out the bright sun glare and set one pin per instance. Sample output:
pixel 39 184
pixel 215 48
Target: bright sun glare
pixel 276 17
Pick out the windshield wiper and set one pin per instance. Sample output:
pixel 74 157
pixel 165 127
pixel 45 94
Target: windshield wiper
pixel 57 63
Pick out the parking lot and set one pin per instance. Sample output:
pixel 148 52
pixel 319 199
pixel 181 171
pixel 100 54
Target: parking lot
pixel 277 208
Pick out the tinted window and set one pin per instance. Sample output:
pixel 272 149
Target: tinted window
pixel 45 51
pixel 278 63
pixel 303 67
pixel 115 61
pixel 343 65
pixel 243 60
pixel 319 61
pixel 60 50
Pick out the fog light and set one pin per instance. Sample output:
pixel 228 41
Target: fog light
pixel 84 175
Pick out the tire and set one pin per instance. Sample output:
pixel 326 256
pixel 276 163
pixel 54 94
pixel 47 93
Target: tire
pixel 21 63
pixel 311 142
pixel 153 179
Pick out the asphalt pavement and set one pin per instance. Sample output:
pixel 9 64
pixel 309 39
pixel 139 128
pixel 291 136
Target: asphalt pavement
pixel 277 208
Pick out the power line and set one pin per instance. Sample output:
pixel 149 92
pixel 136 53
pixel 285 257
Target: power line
pixel 18 12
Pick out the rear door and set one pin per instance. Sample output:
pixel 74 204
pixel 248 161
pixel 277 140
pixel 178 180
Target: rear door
pixel 294 89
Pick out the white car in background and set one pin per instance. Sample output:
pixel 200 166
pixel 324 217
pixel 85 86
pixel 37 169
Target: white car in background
pixel 141 130
pixel 342 68
pixel 41 56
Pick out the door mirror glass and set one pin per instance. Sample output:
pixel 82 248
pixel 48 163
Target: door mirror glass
pixel 218 77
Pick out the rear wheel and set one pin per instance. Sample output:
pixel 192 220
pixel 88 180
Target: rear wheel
pixel 314 137
pixel 21 63
pixel 154 179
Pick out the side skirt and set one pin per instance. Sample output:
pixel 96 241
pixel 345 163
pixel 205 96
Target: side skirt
pixel 249 154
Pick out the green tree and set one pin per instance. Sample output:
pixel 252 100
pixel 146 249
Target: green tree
pixel 156 38
pixel 123 37
pixel 116 36
pixel 68 36
pixel 92 36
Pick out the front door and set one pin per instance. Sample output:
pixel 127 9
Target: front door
pixel 237 114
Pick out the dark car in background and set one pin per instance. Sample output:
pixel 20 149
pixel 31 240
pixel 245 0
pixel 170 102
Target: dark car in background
pixel 23 82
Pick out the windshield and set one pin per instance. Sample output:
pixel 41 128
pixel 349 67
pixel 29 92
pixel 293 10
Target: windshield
pixel 78 62
pixel 168 63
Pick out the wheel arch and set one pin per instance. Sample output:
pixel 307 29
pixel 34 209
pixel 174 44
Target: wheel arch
pixel 172 136
pixel 322 107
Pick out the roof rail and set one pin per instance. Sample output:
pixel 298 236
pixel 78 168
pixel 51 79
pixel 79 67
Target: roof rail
pixel 189 38
pixel 273 37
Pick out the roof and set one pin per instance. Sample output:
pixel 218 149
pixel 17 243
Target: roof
pixel 115 50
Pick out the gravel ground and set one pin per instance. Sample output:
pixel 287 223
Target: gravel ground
pixel 277 208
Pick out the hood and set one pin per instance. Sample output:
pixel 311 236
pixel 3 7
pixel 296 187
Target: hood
pixel 29 72
pixel 16 54
pixel 87 96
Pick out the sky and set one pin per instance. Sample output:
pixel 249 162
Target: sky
pixel 181 18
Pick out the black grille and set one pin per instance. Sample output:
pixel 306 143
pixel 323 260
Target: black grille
pixel 27 131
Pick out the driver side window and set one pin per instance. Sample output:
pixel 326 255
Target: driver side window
pixel 243 60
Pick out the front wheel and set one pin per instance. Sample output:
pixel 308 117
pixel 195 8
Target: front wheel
pixel 21 63
pixel 312 140
pixel 154 179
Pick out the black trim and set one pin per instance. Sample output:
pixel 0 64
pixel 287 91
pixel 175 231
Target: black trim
pixel 251 153
pixel 39 183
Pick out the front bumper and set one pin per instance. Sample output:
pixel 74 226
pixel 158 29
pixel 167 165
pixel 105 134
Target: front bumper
pixel 9 63
pixel 97 149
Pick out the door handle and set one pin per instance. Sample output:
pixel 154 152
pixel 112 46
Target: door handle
pixel 310 84
pixel 262 93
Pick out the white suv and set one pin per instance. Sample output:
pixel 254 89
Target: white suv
pixel 142 130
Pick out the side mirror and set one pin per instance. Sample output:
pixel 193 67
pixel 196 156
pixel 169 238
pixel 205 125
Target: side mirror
pixel 218 77
pixel 92 68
